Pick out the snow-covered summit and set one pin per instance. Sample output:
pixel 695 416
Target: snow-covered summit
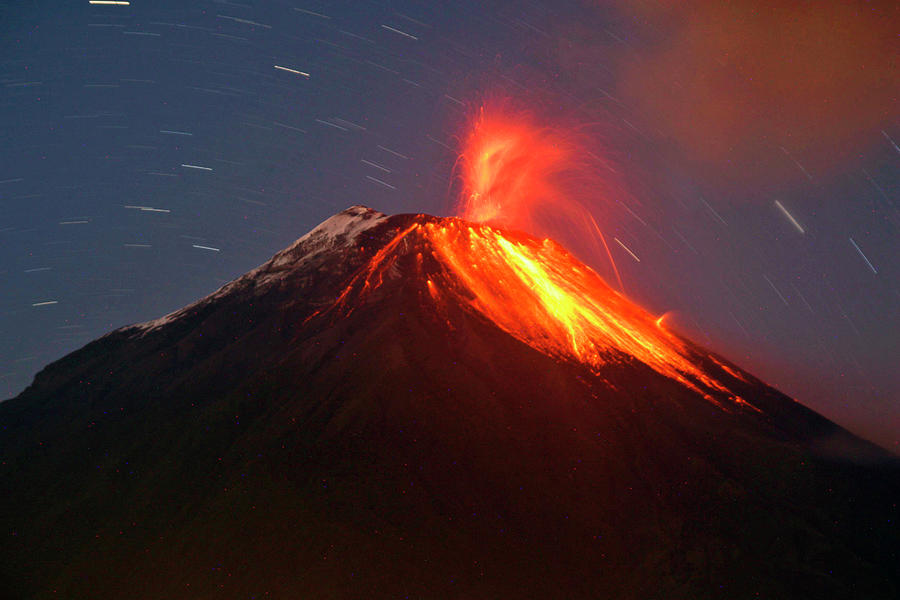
pixel 341 229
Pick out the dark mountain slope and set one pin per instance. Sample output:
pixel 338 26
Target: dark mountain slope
pixel 265 443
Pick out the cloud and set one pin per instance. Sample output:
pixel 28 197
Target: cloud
pixel 748 85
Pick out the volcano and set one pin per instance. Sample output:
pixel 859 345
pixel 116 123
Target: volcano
pixel 422 407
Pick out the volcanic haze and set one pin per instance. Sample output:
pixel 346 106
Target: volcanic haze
pixel 412 406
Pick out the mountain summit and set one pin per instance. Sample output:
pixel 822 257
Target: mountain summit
pixel 422 407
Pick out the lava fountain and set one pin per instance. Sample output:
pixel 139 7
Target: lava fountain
pixel 519 175
pixel 510 169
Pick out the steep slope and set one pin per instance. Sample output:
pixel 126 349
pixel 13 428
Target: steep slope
pixel 351 419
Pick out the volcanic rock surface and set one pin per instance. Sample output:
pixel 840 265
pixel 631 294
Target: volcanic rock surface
pixel 330 426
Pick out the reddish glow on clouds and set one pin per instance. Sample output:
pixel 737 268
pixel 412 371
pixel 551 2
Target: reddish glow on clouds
pixel 733 82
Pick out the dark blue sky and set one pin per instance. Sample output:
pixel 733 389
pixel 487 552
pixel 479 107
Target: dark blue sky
pixel 152 152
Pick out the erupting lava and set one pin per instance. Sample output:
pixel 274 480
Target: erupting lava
pixel 532 289
pixel 538 293
pixel 518 175
pixel 509 169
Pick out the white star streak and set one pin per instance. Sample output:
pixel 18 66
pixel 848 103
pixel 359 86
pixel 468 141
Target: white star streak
pixel 289 70
pixel 863 256
pixel 789 216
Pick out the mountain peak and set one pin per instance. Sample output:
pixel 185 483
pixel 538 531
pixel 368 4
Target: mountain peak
pixel 530 288
pixel 338 230
pixel 346 224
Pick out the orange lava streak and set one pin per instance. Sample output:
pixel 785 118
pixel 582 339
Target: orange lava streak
pixel 372 276
pixel 540 294
pixel 608 254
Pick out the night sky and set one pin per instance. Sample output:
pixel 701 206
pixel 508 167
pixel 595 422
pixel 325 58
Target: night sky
pixel 152 152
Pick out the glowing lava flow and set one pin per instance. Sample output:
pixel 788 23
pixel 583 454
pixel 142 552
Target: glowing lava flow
pixel 540 294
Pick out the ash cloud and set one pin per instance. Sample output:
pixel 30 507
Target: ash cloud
pixel 752 88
